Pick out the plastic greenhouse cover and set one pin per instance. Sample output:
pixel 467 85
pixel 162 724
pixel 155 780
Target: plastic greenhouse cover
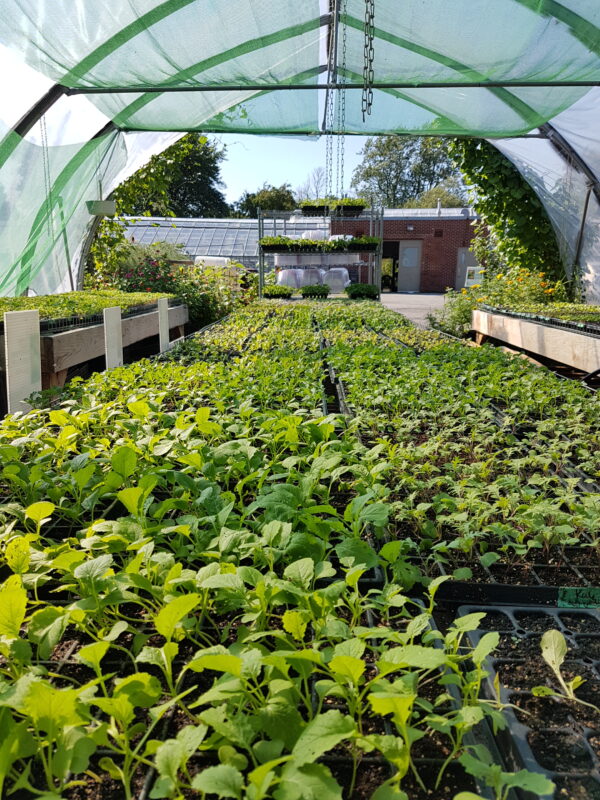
pixel 152 47
pixel 560 187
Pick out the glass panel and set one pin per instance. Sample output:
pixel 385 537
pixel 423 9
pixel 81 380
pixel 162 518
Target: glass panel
pixel 409 257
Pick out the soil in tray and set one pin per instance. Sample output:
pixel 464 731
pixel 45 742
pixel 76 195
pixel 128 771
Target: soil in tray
pixel 560 751
pixel 542 712
pixel 588 647
pixel 523 674
pixel 522 574
pixel 370 775
pixel 579 623
pixel 512 646
pixel 103 788
pixel 536 622
pixel 453 781
pixel 559 576
pixel 496 621
pixel 584 788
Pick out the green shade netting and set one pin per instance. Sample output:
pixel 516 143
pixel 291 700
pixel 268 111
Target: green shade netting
pixel 44 232
pixel 186 43
pixel 171 43
pixel 157 47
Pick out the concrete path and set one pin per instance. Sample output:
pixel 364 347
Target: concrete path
pixel 414 306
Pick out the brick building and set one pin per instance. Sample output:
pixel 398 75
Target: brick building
pixel 424 249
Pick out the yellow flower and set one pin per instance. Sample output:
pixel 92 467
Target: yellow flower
pixel 500 275
pixel 480 299
pixel 464 291
pixel 475 286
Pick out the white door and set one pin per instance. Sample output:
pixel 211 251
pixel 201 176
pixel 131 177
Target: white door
pixel 409 266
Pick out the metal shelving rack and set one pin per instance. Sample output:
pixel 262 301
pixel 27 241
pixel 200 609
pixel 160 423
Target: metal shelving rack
pixel 278 219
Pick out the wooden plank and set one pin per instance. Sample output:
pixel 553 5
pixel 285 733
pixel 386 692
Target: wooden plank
pixel 113 337
pixel 559 344
pixel 68 349
pixel 163 324
pixel 22 358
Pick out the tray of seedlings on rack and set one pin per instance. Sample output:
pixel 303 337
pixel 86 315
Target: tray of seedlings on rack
pixel 546 669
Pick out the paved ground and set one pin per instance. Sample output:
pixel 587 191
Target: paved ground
pixel 414 306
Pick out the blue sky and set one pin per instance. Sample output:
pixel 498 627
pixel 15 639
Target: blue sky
pixel 254 160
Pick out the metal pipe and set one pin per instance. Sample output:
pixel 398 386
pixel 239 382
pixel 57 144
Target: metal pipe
pixel 275 87
pixel 261 255
pixel 568 152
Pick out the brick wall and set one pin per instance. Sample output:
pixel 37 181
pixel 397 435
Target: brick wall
pixel 439 253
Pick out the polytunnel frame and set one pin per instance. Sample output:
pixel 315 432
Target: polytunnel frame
pixel 578 26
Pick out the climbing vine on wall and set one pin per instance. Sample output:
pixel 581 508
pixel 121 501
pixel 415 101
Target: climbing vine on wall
pixel 520 233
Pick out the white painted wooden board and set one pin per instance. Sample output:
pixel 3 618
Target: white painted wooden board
pixel 559 344
pixel 163 324
pixel 22 357
pixel 113 337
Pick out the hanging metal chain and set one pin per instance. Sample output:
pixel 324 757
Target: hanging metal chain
pixel 369 55
pixel 341 110
pixel 330 109
pixel 329 125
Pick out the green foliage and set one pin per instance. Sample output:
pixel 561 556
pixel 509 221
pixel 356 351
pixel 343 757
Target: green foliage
pixel 285 244
pixel 574 312
pixel 315 290
pixel 518 226
pixel 349 201
pixel 207 294
pixel 80 304
pixel 512 288
pixel 398 169
pixel 362 291
pixel 182 181
pixel 448 197
pixel 199 513
pixel 317 201
pixel 267 198
pixel 284 292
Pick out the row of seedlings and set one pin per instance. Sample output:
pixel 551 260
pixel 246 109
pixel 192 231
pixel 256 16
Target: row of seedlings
pixel 181 605
pixel 470 500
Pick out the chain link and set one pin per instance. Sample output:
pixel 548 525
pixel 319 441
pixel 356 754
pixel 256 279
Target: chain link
pixel 341 114
pixel 329 124
pixel 369 56
pixel 330 114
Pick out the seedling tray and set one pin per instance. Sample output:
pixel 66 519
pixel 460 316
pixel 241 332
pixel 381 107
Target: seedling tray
pixel 556 737
pixel 565 585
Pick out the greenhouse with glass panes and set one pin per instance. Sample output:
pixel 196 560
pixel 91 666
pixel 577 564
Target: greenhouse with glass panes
pixel 309 549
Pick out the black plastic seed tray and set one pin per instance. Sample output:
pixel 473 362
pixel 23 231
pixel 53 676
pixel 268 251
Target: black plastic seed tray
pixel 566 585
pixel 557 737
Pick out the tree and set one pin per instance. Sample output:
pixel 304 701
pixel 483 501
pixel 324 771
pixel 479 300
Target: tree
pixel 450 193
pixel 267 198
pixel 396 169
pixel 182 181
pixel 317 182
pixel 313 187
